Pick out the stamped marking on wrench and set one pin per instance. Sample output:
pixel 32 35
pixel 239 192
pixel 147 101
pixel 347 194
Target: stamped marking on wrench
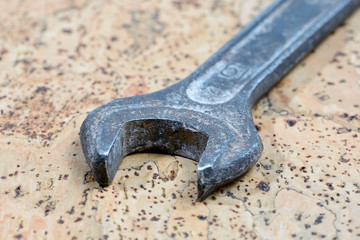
pixel 219 87
pixel 207 116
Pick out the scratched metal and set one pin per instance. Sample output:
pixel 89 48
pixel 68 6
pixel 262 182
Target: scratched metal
pixel 207 116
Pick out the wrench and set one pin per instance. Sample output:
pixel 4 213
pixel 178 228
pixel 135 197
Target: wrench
pixel 207 116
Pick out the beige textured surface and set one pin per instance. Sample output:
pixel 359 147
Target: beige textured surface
pixel 61 59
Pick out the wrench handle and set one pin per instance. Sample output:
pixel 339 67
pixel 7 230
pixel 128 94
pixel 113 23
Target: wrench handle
pixel 264 51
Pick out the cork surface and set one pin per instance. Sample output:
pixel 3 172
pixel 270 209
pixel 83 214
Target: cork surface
pixel 61 59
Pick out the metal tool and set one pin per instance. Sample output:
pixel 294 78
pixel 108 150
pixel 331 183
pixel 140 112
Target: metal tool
pixel 207 116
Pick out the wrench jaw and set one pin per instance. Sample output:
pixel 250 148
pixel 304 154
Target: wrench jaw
pixel 232 162
pixel 97 159
pixel 225 148
pixel 117 129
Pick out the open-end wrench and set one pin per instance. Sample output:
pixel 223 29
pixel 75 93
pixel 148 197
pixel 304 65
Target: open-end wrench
pixel 207 116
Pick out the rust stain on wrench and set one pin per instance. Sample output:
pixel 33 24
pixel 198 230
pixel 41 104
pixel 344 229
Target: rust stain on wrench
pixel 207 116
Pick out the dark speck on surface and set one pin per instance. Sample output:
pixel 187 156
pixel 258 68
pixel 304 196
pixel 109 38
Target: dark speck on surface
pixel 263 186
pixel 291 122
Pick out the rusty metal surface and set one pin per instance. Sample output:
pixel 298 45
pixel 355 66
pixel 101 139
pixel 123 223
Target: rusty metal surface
pixel 207 116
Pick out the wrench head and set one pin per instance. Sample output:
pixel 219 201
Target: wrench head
pixel 223 149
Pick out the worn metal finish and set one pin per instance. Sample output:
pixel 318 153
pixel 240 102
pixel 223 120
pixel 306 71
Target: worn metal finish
pixel 207 116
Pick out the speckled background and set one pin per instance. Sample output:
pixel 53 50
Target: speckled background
pixel 61 59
